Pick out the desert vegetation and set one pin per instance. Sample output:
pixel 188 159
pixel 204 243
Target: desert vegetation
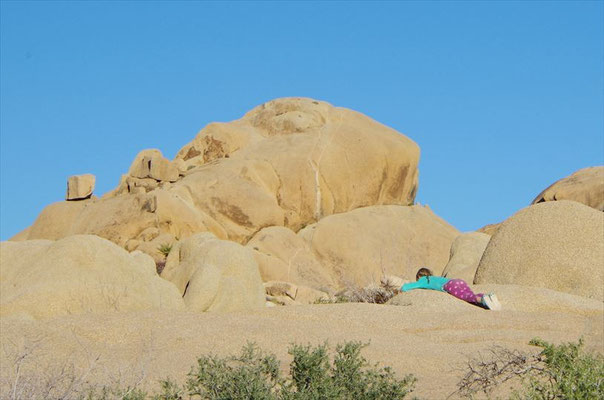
pixel 564 371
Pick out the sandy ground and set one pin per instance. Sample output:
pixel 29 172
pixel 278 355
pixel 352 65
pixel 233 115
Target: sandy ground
pixel 428 334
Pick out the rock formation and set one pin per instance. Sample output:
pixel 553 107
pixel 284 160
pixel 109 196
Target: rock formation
pixel 80 187
pixel 466 252
pixel 585 186
pixel 360 246
pixel 288 162
pixel 79 274
pixel 556 245
pixel 214 275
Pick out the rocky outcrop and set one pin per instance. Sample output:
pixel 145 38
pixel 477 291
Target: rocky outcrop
pixel 556 245
pixel 79 274
pixel 284 256
pixel 288 162
pixel 285 293
pixel 80 187
pixel 360 246
pixel 214 275
pixel 585 186
pixel 466 252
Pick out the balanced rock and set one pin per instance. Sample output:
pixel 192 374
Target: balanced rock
pixel 80 187
pixel 556 245
pixel 152 164
pixel 466 252
pixel 79 274
pixel 360 246
pixel 288 162
pixel 214 275
pixel 585 186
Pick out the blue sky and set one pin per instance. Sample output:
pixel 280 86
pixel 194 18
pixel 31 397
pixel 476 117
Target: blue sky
pixel 504 98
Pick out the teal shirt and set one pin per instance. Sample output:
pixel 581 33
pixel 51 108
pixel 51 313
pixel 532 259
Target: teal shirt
pixel 435 283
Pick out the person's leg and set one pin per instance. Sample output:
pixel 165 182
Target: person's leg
pixel 460 289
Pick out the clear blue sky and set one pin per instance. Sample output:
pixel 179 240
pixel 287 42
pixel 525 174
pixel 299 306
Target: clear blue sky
pixel 504 98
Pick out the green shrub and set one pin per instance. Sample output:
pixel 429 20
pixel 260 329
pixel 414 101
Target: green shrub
pixel 558 372
pixel 252 375
pixel 165 249
pixel 255 376
pixel 569 373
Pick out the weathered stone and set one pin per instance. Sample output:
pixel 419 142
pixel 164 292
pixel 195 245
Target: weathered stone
pixel 585 186
pixel 284 256
pixel 80 187
pixel 152 164
pixel 288 162
pixel 556 245
pixel 466 252
pixel 79 274
pixel 275 288
pixel 214 274
pixel 360 246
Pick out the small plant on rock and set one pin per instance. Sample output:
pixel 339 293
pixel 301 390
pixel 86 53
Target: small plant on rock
pixel 165 249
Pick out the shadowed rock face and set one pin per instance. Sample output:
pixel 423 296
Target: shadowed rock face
pixel 585 186
pixel 288 162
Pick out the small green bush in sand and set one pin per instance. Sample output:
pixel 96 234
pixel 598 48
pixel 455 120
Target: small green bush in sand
pixel 255 375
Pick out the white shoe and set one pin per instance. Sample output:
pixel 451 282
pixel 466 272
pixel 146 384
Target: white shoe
pixel 496 305
pixel 486 301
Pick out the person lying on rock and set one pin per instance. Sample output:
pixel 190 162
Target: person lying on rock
pixel 456 287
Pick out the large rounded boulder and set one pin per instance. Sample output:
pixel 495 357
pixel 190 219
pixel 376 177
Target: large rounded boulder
pixel 214 275
pixel 556 245
pixel 360 246
pixel 466 252
pixel 79 274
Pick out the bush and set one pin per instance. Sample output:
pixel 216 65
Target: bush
pixel 255 375
pixel 165 249
pixel 569 373
pixel 563 371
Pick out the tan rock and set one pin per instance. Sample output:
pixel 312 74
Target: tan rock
pixel 288 162
pixel 556 245
pixel 281 300
pixel 308 295
pixel 152 164
pixel 276 288
pixel 80 187
pixel 585 186
pixel 466 252
pixel 362 245
pixel 214 274
pixel 56 220
pixel 300 294
pixel 284 256
pixel 489 229
pixel 79 274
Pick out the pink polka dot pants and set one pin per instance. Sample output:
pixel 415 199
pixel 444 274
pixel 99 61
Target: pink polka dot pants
pixel 460 289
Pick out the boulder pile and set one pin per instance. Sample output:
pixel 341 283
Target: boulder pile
pixel 296 203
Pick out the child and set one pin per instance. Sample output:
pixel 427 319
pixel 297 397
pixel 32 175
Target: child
pixel 456 287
